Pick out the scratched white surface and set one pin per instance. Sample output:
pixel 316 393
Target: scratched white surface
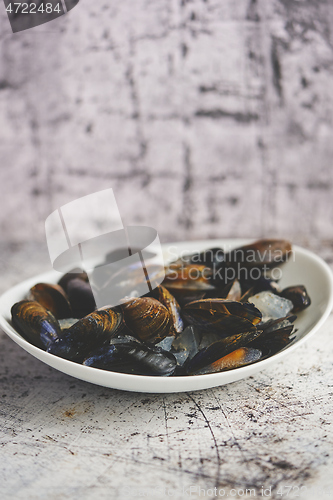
pixel 61 438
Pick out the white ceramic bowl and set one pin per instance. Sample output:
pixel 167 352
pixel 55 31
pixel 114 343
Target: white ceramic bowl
pixel 303 268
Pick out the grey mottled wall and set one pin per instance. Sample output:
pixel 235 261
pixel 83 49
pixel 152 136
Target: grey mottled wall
pixel 208 117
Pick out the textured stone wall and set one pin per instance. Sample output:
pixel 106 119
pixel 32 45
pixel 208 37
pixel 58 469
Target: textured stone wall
pixel 208 118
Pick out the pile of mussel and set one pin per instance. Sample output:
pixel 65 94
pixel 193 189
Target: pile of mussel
pixel 215 311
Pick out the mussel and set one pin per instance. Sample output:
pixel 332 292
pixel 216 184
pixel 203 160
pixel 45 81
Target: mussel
pixel 260 253
pixel 188 283
pixel 131 356
pixel 236 359
pixel 81 297
pixel 217 350
pixel 169 301
pixel 224 316
pixel 147 318
pixel 36 323
pixel 53 298
pixel 249 261
pixel 87 334
pixel 298 295
pixel 74 274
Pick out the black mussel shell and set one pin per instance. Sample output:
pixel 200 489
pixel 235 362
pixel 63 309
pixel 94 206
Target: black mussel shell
pixel 259 284
pixel 74 274
pixel 250 260
pixel 236 359
pixel 225 316
pixel 169 301
pixel 36 323
pixel 189 282
pixel 134 358
pixel 269 253
pixel 208 257
pixel 88 334
pixel 53 298
pixel 273 325
pixel 276 334
pixel 275 342
pixel 80 297
pixel 219 349
pixel 298 296
pixel 148 319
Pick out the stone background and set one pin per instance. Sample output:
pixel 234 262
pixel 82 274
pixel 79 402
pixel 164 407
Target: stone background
pixel 208 118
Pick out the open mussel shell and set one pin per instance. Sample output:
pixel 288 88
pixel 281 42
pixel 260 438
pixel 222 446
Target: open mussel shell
pixel 298 296
pixel 53 298
pixel 272 343
pixel 130 356
pixel 219 349
pixel 240 357
pixel 87 334
pixel 189 282
pixel 276 334
pixel 225 316
pixel 81 297
pixel 147 318
pixel 192 277
pixel 36 323
pixel 169 301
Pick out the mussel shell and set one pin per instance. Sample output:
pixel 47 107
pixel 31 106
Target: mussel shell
pixel 223 315
pixel 185 295
pixel 88 334
pixel 169 301
pixel 53 298
pixel 235 291
pixel 250 260
pixel 147 318
pixel 298 296
pixel 196 277
pixel 236 359
pixel 265 252
pixel 190 282
pixel 273 325
pixel 276 334
pixel 134 358
pixel 273 342
pixel 74 274
pixel 259 284
pixel 80 297
pixel 221 348
pixel 36 323
pixel 208 257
